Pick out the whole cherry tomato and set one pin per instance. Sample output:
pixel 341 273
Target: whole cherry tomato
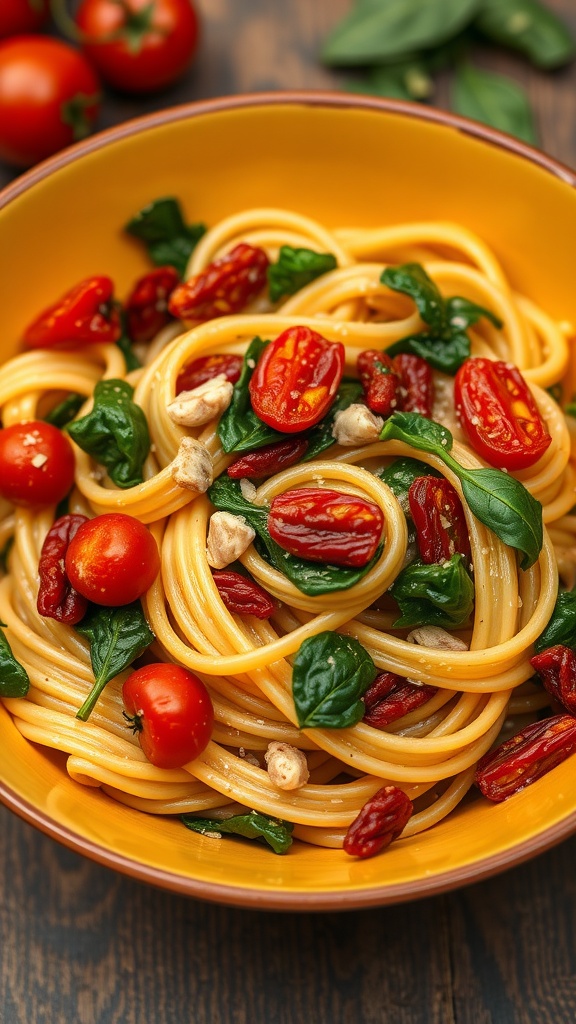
pixel 48 98
pixel 296 379
pixel 171 710
pixel 20 16
pixel 498 414
pixel 84 314
pixel 36 464
pixel 139 45
pixel 112 559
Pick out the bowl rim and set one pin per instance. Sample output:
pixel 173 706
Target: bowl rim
pixel 239 896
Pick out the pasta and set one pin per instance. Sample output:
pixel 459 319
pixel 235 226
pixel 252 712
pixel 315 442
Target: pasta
pixel 246 663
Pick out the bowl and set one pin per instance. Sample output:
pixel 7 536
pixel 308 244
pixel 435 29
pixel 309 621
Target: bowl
pixel 342 160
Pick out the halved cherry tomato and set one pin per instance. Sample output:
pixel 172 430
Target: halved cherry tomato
pixel 20 16
pixel 322 525
pixel 171 710
pixel 84 314
pixel 146 307
pixel 296 379
pixel 36 464
pixel 498 414
pixel 441 529
pixel 112 559
pixel 225 286
pixel 206 368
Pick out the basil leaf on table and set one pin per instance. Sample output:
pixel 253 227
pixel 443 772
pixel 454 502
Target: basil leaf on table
pixel 63 413
pixel 14 681
pixel 312 578
pixel 494 100
pixel 497 499
pixel 320 437
pixel 527 26
pixel 117 636
pixel 296 268
pixel 561 628
pixel 239 428
pixel 273 831
pixel 329 676
pixel 376 31
pixel 162 228
pixel 434 595
pixel 407 79
pixel 115 432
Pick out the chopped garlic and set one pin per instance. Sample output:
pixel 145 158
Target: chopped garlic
pixel 202 404
pixel 356 425
pixel 229 537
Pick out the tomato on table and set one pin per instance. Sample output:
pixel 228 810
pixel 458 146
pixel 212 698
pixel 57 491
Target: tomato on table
pixel 499 415
pixel 171 710
pixel 49 98
pixel 84 314
pixel 20 16
pixel 296 379
pixel 36 464
pixel 112 560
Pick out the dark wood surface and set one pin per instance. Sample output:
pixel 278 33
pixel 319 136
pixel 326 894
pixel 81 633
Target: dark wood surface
pixel 79 943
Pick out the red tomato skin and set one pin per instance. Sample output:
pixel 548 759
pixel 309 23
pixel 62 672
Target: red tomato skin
pixel 166 49
pixel 20 16
pixel 83 315
pixel 24 483
pixel 38 77
pixel 499 415
pixel 112 560
pixel 296 379
pixel 172 713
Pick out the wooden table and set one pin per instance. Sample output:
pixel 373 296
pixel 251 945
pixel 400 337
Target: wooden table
pixel 79 943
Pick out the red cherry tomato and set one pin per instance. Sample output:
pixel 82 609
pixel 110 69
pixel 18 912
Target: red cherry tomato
pixel 206 368
pixel 36 464
pixel 48 98
pixel 295 379
pixel 146 308
pixel 20 16
pixel 139 45
pixel 498 414
pixel 83 314
pixel 112 559
pixel 172 712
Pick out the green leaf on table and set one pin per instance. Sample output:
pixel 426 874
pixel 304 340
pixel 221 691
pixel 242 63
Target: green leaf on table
pixel 561 628
pixel 407 79
pixel 494 100
pixel 114 432
pixel 167 237
pixel 117 637
pixel 273 831
pixel 239 428
pixel 14 681
pixel 296 268
pixel 527 26
pixel 330 675
pixel 63 413
pixel 434 595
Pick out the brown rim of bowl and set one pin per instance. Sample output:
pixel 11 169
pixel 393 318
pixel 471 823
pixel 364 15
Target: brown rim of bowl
pixel 237 895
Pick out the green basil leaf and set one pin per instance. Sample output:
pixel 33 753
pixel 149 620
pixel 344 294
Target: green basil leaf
pixel 168 239
pixel 14 681
pixel 504 505
pixel 528 26
pixel 444 354
pixel 493 100
pixel 320 437
pixel 377 31
pixel 434 595
pixel 412 280
pixel 561 628
pixel 273 831
pixel 401 474
pixel 417 431
pixel 329 676
pixel 117 636
pixel 461 313
pixel 63 413
pixel 296 268
pixel 114 432
pixel 130 357
pixel 239 428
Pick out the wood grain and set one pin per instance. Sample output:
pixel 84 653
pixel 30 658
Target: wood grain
pixel 82 945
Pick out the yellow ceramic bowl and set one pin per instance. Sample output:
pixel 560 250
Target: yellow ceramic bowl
pixel 341 160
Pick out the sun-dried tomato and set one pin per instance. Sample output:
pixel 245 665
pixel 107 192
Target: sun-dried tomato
pixel 556 667
pixel 382 819
pixel 57 598
pixel 146 307
pixel 243 596
pixel 268 460
pixel 525 757
pixel 417 383
pixel 322 525
pixel 380 381
pixel 84 314
pixel 391 697
pixel 225 286
pixel 441 529
pixel 206 368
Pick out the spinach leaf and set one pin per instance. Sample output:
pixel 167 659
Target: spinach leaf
pixel 412 280
pixel 130 357
pixel 251 826
pixel 401 474
pixel 407 79
pixel 330 674
pixel 528 26
pixel 494 100
pixel 312 578
pixel 168 239
pixel 14 681
pixel 461 313
pixel 446 355
pixel 296 268
pixel 115 432
pixel 239 428
pixel 63 413
pixel 434 595
pixel 497 499
pixel 377 31
pixel 561 628
pixel 117 636
pixel 320 437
